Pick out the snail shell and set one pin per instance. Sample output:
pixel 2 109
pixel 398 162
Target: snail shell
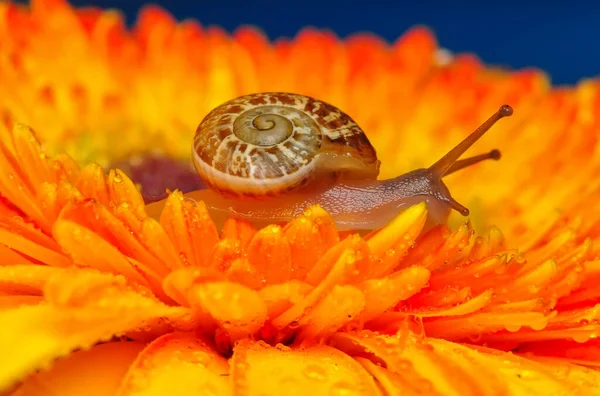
pixel 266 144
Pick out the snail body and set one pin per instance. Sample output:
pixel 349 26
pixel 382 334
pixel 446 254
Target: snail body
pixel 267 157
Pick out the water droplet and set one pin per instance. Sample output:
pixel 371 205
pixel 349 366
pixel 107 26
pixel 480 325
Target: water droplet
pixel 533 289
pixel 241 366
pixel 315 373
pixel 343 389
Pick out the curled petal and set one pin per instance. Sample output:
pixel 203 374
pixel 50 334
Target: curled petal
pixel 239 310
pixel 280 297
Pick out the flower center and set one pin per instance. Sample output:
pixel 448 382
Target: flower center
pixel 156 173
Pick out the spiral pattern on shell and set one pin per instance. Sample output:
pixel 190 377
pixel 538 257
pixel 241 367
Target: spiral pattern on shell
pixel 268 143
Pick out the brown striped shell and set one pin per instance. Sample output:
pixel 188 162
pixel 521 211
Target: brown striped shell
pixel 266 144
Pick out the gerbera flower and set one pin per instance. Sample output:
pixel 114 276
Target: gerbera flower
pixel 98 297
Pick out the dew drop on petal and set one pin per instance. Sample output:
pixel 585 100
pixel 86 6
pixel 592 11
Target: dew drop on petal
pixel 343 389
pixel 316 373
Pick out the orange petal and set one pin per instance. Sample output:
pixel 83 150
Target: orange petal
pixel 340 270
pixel 177 363
pixel 587 354
pixel 88 249
pixel 474 325
pixel 241 230
pixel 341 306
pixel 383 349
pixel 469 274
pixel 530 283
pixel 306 245
pixel 472 305
pixel 158 243
pixel 383 294
pixel 9 256
pixel 282 296
pixel 258 368
pixel 26 279
pixel 417 361
pixel 190 229
pixel 238 309
pixel 269 253
pixel 33 250
pixel 95 372
pixel 178 283
pixel 112 229
pixel 224 253
pixel 361 266
pixel 122 190
pixel 325 225
pixel 28 151
pixel 92 184
pixel 11 302
pixel 519 375
pixel 242 272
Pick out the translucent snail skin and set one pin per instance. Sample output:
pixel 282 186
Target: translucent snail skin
pixel 267 157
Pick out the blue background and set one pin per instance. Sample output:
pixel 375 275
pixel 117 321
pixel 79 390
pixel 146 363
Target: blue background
pixel 560 37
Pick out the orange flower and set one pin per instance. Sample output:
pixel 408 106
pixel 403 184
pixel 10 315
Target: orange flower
pixel 98 297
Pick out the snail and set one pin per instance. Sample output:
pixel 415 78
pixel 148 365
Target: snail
pixel 267 157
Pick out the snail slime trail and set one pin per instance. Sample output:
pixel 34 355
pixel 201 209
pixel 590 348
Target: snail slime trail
pixel 268 157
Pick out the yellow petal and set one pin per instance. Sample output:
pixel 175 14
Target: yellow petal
pixel 83 307
pixel 258 368
pixel 180 364
pixel 524 376
pixel 403 229
pixel 97 371
pixel 395 384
